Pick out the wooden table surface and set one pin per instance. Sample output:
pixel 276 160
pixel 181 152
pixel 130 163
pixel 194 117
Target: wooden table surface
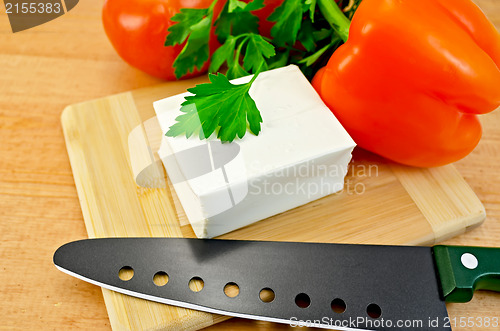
pixel 70 60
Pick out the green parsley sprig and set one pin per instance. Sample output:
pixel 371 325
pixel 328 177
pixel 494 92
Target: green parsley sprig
pixel 305 33
pixel 218 105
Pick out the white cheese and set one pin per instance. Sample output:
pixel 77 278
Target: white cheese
pixel 301 155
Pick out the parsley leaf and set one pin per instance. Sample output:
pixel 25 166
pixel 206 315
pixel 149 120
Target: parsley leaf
pixel 306 36
pixel 235 24
pixel 234 4
pixel 229 52
pixel 235 70
pixel 311 6
pixel 256 53
pixel 185 19
pixel 288 18
pixel 194 25
pixel 239 6
pixel 225 53
pixel 254 5
pixel 315 56
pixel 218 105
pixel 236 18
pixel 281 59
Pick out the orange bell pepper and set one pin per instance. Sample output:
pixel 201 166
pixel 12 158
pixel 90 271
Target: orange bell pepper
pixel 412 77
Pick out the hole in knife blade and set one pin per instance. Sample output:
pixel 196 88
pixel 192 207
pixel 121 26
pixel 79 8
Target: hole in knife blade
pixel 231 290
pixel 160 278
pixel 302 300
pixel 267 295
pixel 196 284
pixel 126 273
pixel 338 305
pixel 373 310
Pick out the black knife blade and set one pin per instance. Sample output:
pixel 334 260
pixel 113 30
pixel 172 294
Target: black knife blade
pixel 334 286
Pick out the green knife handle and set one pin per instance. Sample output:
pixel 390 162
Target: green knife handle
pixel 464 269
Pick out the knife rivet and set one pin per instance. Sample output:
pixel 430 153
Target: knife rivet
pixel 469 261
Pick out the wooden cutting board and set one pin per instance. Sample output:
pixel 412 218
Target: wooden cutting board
pixel 383 203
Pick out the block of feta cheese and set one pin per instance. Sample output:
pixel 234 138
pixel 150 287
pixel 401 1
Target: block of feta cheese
pixel 301 154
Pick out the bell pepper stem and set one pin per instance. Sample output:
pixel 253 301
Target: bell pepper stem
pixel 335 17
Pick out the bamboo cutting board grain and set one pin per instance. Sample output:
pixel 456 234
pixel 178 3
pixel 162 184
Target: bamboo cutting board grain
pixel 384 203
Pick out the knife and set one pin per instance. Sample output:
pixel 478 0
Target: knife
pixel 332 286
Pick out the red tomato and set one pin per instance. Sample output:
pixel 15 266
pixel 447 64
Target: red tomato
pixel 137 30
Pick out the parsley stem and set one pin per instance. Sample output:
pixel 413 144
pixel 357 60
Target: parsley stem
pixel 255 76
pixel 243 35
pixel 335 17
pixel 212 6
pixel 238 50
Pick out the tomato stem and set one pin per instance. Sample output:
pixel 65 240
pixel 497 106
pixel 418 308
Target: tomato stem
pixel 335 17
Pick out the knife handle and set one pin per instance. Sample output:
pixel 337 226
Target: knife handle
pixel 464 269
